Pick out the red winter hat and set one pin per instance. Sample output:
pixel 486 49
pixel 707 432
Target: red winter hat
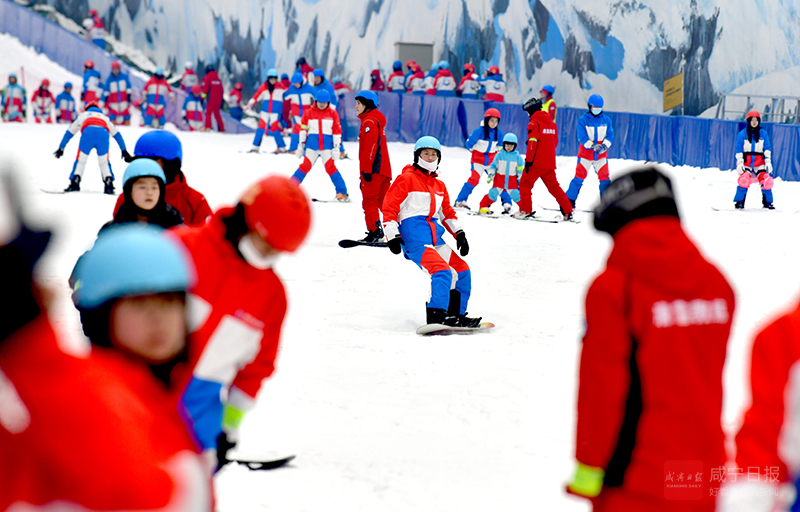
pixel 196 89
pixel 278 210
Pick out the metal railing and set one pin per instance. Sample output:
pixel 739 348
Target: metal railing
pixel 777 109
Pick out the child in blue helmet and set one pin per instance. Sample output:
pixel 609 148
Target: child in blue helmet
pixel 300 96
pixel 595 136
pixel 65 106
pixel 143 186
pixel 445 83
pixel 505 174
pixel 396 81
pixel 271 97
pixel 416 213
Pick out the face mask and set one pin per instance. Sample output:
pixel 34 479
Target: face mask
pixel 596 110
pixel 429 166
pixel 253 257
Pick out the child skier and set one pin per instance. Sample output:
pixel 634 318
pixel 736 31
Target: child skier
pixel 320 136
pixel 43 101
pixel 540 160
pixel 445 82
pixel 595 135
pixel 469 86
pixel 13 101
pixel 92 85
pixel 143 186
pixel 95 129
pixel 65 105
pixel 235 102
pixel 483 143
pixel 271 118
pixel 415 82
pixel 118 95
pixel 753 162
pixel 189 78
pixel 494 86
pixel 504 175
pixel 300 96
pixel 156 90
pixel 416 213
pixel 396 81
pixel 192 110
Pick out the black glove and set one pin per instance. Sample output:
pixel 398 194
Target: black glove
pixel 528 166
pixel 367 176
pixel 395 243
pixel 59 152
pixel 461 243
pixel 126 156
pixel 223 446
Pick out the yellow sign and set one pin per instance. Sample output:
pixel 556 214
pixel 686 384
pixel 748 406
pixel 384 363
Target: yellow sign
pixel 673 92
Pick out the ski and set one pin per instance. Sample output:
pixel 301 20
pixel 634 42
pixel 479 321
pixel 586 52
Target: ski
pixel 346 244
pixel 263 465
pixel 559 209
pixel 444 330
pixel 329 200
pixel 74 192
pixel 751 210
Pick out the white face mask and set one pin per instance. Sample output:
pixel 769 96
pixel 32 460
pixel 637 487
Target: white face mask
pixel 596 110
pixel 253 257
pixel 429 166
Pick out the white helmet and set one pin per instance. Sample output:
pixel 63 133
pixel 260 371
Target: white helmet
pixel 88 23
pixel 188 65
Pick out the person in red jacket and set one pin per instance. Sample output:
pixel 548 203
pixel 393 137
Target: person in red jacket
pixel 416 213
pixel 650 392
pixel 766 472
pixel 243 304
pixel 376 83
pixel 214 94
pixel 95 432
pixel 540 161
pixel 165 148
pixel 373 161
pixel 43 102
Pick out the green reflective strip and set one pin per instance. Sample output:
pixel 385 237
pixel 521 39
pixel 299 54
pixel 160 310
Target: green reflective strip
pixel 232 417
pixel 588 480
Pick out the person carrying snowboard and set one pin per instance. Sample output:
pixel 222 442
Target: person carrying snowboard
pixel 416 213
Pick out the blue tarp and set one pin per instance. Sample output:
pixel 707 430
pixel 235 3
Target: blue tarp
pixel 673 140
pixel 70 51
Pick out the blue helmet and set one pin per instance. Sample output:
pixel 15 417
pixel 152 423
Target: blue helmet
pixel 130 260
pixel 549 89
pixel 160 71
pixel 68 84
pixel 322 96
pixel 159 144
pixel 297 78
pixel 366 97
pixel 336 80
pixel 397 65
pixel 209 68
pixel 427 142
pixel 435 66
pixel 443 64
pixel 284 76
pixel 12 75
pixel 319 72
pixel 272 72
pixel 595 100
pixel 509 138
pixel 143 167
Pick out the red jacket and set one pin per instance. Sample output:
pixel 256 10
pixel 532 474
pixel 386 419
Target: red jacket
pixel 657 325
pixel 373 153
pixel 236 340
pixel 377 83
pixel 212 88
pixel 542 141
pixel 191 204
pixel 99 432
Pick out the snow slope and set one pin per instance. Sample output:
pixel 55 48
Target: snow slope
pixel 382 419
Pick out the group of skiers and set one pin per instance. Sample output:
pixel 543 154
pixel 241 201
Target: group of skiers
pixel 440 81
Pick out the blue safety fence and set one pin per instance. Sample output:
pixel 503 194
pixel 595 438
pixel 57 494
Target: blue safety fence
pixel 70 51
pixel 673 140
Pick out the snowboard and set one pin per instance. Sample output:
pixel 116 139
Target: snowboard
pixel 346 244
pixel 444 330
pixel 262 465
pixel 329 201
pixel 732 209
pixel 75 192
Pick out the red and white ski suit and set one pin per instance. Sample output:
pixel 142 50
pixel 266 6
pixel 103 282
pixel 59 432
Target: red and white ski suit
pixel 43 102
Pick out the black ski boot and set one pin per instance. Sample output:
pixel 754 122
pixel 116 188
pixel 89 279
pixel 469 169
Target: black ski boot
pixel 376 235
pixel 440 316
pixel 109 188
pixel 766 204
pixel 453 309
pixel 465 321
pixel 74 184
pixel 572 202
pixel 739 205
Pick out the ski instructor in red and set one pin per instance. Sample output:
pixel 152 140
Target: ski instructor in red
pixel 214 94
pixel 373 161
pixel 650 392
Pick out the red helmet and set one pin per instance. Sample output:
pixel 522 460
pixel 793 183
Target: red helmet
pixel 45 83
pixel 196 90
pixel 753 113
pixel 492 112
pixel 469 67
pixel 115 64
pixel 239 86
pixel 92 104
pixel 277 209
pixel 494 70
pixel 93 12
pixel 88 64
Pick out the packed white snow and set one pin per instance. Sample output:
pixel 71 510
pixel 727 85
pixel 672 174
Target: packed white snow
pixel 383 419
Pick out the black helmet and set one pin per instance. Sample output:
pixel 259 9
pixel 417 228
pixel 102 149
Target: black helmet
pixel 532 105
